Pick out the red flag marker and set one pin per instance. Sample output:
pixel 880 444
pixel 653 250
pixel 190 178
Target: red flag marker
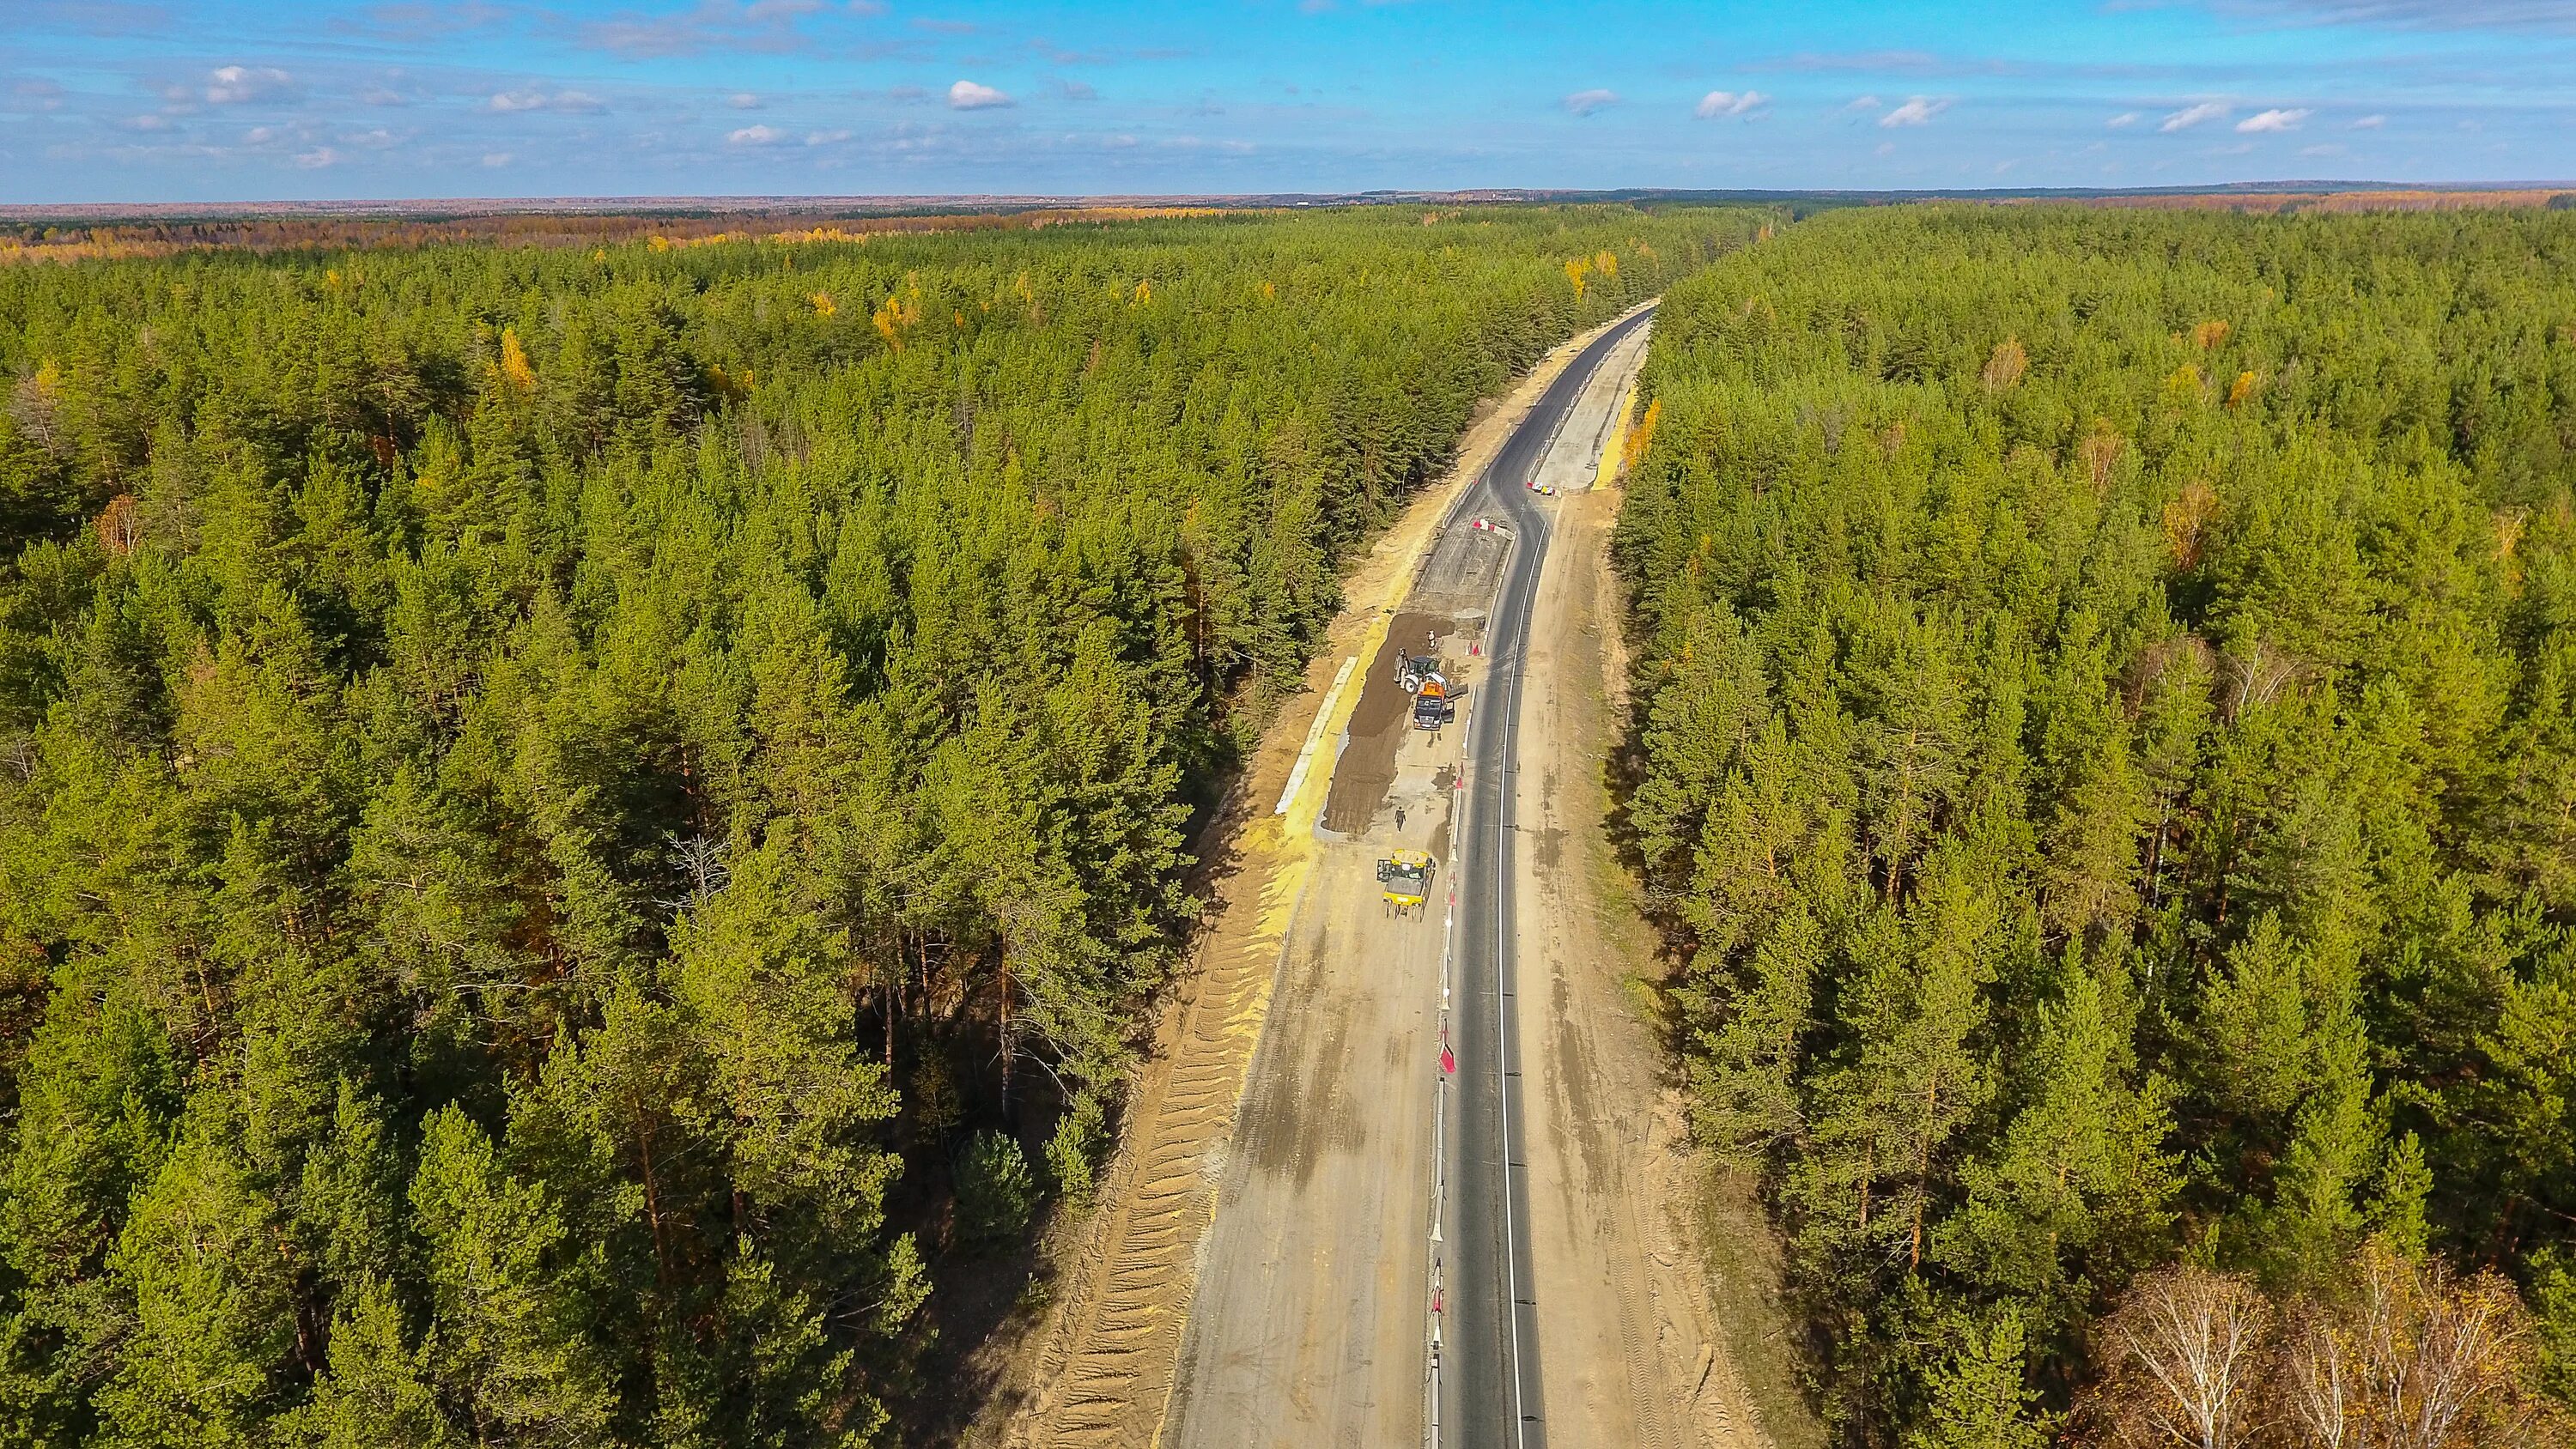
pixel 1448 1061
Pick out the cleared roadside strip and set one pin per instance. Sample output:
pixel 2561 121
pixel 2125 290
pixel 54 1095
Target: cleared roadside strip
pixel 1315 736
pixel 1624 417
pixel 1109 1380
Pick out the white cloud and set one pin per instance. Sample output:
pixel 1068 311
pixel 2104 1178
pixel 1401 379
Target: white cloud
pixel 2190 116
pixel 234 85
pixel 375 140
pixel 743 101
pixel 966 95
pixel 825 138
pixel 147 123
pixel 2329 149
pixel 412 21
pixel 763 26
pixel 1727 103
pixel 537 100
pixel 2272 120
pixel 1584 103
pixel 317 158
pixel 2370 123
pixel 36 95
pixel 2542 15
pixel 496 159
pixel 756 136
pixel 2123 121
pixel 1917 110
pixel 1864 103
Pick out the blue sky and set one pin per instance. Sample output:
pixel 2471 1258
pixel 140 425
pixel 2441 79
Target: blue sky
pixel 135 100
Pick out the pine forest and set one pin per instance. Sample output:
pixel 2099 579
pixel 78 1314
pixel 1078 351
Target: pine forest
pixel 2105 757
pixel 582 827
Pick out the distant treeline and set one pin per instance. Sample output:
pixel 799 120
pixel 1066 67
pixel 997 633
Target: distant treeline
pixel 2107 754
pixel 579 827
pixel 76 241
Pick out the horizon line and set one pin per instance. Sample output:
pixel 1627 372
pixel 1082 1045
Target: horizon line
pixel 888 202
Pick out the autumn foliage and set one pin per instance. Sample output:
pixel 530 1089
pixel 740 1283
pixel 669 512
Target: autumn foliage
pixel 2005 365
pixel 1641 437
pixel 2398 1354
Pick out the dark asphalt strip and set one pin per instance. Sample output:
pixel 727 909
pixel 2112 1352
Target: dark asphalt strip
pixel 1489 1376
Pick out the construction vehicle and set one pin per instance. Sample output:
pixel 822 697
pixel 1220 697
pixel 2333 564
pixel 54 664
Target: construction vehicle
pixel 1407 878
pixel 1419 675
pixel 1431 704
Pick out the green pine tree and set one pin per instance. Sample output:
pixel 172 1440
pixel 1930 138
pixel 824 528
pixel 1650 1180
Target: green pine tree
pixel 1979 1398
pixel 376 1393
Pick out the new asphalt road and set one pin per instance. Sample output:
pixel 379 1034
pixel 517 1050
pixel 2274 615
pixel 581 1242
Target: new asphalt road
pixel 1491 1315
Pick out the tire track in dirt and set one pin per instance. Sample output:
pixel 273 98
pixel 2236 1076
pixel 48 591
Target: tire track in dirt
pixel 1104 1374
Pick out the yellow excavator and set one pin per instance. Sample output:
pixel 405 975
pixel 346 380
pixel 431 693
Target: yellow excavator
pixel 1407 878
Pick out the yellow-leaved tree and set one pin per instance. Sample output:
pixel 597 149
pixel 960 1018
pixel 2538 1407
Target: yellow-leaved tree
pixel 515 369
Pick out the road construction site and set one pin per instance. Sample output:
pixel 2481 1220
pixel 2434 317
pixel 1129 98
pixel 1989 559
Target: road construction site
pixel 1412 1176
